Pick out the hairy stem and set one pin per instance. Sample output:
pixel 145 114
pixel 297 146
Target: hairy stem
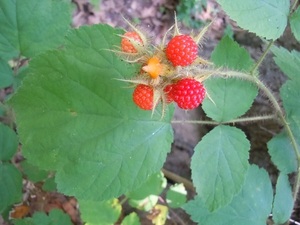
pixel 261 59
pixel 239 120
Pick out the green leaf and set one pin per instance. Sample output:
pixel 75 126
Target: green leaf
pixel 252 205
pixel 56 217
pixel 226 93
pixel 104 213
pixel 49 185
pixel 10 185
pixel 131 219
pixel 266 18
pixel 283 201
pixel 8 143
pixel 288 62
pixel 219 165
pixel 290 95
pixel 282 153
pixel 145 204
pixel 22 72
pixel 74 117
pixel 31 27
pixel 25 221
pixel 176 196
pixel 153 186
pixel 32 172
pixel 295 23
pixel 6 74
pixel 228 53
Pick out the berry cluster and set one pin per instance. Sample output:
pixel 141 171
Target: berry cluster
pixel 169 73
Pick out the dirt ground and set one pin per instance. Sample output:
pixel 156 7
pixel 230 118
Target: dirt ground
pixel 156 16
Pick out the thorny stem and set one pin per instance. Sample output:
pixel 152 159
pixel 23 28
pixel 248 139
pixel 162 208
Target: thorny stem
pixel 261 59
pixel 240 120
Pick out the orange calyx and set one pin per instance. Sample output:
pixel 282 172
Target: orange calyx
pixel 153 67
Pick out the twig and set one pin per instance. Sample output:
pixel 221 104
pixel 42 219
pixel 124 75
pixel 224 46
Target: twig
pixel 178 179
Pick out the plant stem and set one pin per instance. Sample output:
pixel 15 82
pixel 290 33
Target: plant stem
pixel 279 112
pixel 293 6
pixel 261 59
pixel 202 122
pixel 239 120
pixel 178 179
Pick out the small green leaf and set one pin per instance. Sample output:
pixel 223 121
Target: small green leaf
pixel 131 219
pixel 10 185
pixel 6 74
pixel 32 172
pixel 55 217
pixel 153 186
pixel 77 119
pixel 266 18
pixel 229 98
pixel 23 71
pixel 8 143
pixel 288 62
pixel 25 221
pixel 176 195
pixel 229 54
pixel 31 27
pixel 49 185
pixel 282 153
pixel 295 23
pixel 104 213
pixel 145 204
pixel 252 205
pixel 219 165
pixel 290 95
pixel 283 201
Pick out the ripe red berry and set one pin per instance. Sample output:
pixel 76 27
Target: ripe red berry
pixel 126 44
pixel 182 50
pixel 168 90
pixel 188 93
pixel 143 96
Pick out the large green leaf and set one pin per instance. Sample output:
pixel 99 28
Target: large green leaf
pixel 266 18
pixel 283 201
pixel 229 97
pixel 219 165
pixel 8 143
pixel 10 185
pixel 295 23
pixel 252 205
pixel 289 62
pixel 104 213
pixel 29 27
pixel 74 117
pixel 282 153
